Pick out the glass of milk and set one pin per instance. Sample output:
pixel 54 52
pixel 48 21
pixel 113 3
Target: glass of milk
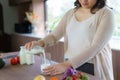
pixel 45 61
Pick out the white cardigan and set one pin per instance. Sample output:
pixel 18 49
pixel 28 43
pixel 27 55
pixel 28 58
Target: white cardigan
pixel 93 38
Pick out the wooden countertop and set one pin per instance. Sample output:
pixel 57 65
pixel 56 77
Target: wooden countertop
pixel 25 72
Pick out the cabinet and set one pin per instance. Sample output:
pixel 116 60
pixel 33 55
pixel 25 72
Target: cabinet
pixel 23 1
pixel 116 64
pixel 5 43
pixel 18 40
pixel 23 6
pixel 17 2
pixel 35 6
pixel 13 2
pixel 1 20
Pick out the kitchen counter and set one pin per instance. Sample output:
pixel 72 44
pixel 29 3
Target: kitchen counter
pixel 26 72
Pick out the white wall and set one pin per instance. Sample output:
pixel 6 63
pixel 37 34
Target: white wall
pixel 10 16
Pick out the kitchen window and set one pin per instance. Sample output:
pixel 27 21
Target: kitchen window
pixel 115 41
pixel 55 11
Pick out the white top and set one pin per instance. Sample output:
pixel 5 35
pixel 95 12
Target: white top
pixel 80 35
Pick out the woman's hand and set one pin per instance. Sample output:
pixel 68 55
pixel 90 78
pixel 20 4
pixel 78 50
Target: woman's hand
pixel 57 68
pixel 32 44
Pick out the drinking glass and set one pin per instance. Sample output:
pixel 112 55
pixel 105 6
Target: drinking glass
pixel 45 61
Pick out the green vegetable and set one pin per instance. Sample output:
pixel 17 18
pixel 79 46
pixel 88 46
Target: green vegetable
pixel 2 63
pixel 85 77
pixel 68 78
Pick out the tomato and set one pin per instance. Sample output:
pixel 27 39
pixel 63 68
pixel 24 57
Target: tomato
pixel 74 77
pixel 13 61
pixel 18 59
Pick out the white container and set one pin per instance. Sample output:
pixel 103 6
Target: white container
pixel 26 56
pixel 30 59
pixel 22 55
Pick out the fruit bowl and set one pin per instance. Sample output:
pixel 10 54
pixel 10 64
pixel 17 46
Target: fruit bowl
pixel 72 74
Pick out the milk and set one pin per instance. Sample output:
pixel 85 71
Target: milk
pixel 44 56
pixel 43 66
pixel 45 60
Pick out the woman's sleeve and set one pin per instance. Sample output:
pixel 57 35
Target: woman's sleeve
pixel 101 38
pixel 57 33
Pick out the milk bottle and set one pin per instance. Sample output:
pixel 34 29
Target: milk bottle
pixel 27 56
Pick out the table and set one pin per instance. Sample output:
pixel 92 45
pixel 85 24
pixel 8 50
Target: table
pixel 25 72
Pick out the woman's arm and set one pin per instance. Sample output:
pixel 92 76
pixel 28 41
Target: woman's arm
pixel 58 32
